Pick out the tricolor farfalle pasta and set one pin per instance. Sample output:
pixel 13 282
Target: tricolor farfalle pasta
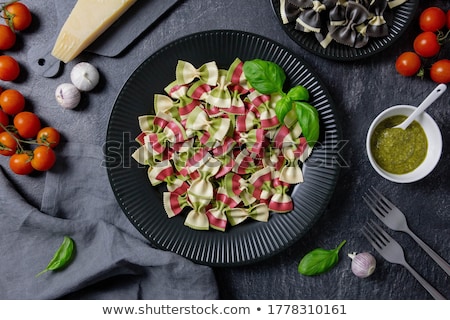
pixel 220 149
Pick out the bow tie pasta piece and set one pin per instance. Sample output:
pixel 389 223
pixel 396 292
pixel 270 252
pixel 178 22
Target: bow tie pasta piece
pixel 174 203
pixel 352 32
pixel 220 95
pixel 207 73
pixel 247 122
pixel 288 11
pixel 265 108
pixel 199 91
pixel 217 215
pixel 236 77
pixel 259 212
pixel 310 18
pixel 196 218
pixel 167 134
pixel 200 123
pixel 280 202
pixel 202 187
pixel 377 25
pixel 158 174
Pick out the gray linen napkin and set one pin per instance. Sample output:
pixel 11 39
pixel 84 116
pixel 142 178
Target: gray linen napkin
pixel 112 259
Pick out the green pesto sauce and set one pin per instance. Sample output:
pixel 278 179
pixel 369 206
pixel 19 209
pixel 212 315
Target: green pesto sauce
pixel 398 151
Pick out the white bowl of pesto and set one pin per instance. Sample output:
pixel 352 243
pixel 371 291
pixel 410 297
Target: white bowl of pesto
pixel 403 156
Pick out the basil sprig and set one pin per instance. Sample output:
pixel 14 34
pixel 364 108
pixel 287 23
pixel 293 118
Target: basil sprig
pixel 268 78
pixel 319 261
pixel 61 257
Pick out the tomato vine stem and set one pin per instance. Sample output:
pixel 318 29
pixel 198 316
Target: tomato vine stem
pixel 8 16
pixel 443 37
pixel 20 141
pixel 5 4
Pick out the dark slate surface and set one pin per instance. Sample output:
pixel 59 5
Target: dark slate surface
pixel 360 90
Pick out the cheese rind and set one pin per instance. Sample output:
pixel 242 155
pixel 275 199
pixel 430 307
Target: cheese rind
pixel 87 21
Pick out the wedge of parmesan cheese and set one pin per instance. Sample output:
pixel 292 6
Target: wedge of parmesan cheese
pixel 87 21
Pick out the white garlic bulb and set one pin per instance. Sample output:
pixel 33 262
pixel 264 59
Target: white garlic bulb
pixel 67 95
pixel 363 264
pixel 84 76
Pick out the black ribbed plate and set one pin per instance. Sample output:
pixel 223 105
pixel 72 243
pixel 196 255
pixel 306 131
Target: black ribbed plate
pixel 398 21
pixel 245 243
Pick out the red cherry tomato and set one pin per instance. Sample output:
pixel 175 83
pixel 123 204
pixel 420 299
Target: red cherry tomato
pixel 9 68
pixel 48 136
pixel 20 163
pixel 17 15
pixel 12 101
pixel 8 144
pixel 7 37
pixel 432 19
pixel 440 71
pixel 43 158
pixel 27 124
pixel 408 64
pixel 426 44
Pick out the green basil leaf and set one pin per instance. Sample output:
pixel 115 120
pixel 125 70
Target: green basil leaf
pixel 265 76
pixel 61 257
pixel 282 107
pixel 319 261
pixel 308 118
pixel 298 93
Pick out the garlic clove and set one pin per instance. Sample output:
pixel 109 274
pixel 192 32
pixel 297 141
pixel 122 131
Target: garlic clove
pixel 363 264
pixel 84 76
pixel 67 95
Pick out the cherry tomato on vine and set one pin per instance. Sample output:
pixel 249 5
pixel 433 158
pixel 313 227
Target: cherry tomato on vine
pixel 12 101
pixel 17 15
pixel 440 71
pixel 43 158
pixel 48 136
pixel 9 68
pixel 20 163
pixel 27 124
pixel 432 19
pixel 426 44
pixel 8 144
pixel 408 64
pixel 7 37
pixel 4 120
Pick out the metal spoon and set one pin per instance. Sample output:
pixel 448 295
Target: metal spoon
pixel 432 97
